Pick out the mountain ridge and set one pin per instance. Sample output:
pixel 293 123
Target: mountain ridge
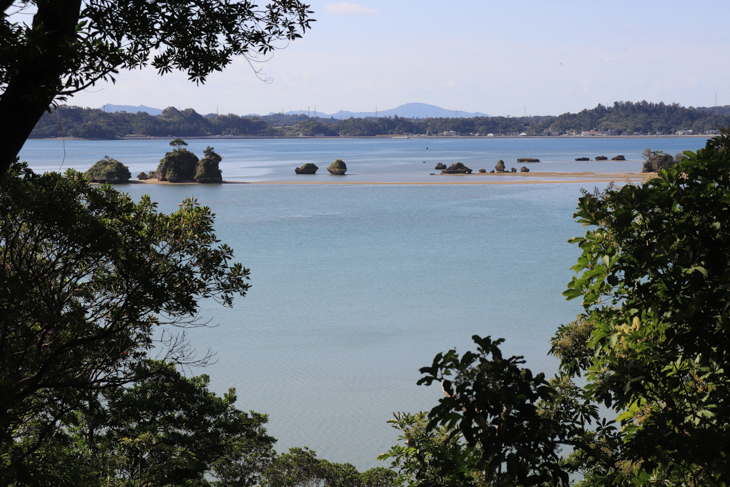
pixel 407 110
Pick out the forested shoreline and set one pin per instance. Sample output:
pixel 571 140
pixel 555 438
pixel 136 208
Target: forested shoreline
pixel 623 118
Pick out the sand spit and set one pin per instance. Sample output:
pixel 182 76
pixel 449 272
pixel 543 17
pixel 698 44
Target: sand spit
pixel 474 178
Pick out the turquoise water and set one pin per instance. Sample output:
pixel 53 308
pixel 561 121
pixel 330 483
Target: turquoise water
pixel 355 287
pixel 368 160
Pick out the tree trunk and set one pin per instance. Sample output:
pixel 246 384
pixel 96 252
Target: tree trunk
pixel 38 75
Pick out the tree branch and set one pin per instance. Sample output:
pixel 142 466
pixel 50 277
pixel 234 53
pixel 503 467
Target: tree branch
pixel 5 4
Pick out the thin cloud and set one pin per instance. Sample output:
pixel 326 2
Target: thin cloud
pixel 348 9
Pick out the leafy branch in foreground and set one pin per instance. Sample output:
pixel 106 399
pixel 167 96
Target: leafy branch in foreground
pixel 654 279
pixel 87 278
pixel 498 424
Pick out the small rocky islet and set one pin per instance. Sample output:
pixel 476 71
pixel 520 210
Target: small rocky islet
pixel 307 168
pixel 460 168
pixel 601 158
pixel 337 168
pixel 108 170
pixel 456 168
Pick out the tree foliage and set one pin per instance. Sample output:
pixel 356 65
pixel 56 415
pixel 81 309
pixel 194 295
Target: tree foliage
pixel 165 429
pixel 87 277
pixel 493 403
pixel 653 278
pixel 300 467
pixel 419 459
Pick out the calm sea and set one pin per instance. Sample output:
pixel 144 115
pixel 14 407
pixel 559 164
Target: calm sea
pixel 368 160
pixel 355 287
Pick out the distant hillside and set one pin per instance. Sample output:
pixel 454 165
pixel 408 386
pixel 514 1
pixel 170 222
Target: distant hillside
pixel 131 109
pixel 622 118
pixel 409 110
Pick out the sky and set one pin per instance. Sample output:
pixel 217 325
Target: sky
pixel 496 57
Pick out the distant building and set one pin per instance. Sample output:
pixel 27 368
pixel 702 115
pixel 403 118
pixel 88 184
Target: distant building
pixel 451 133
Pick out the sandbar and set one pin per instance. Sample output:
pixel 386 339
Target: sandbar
pixel 474 178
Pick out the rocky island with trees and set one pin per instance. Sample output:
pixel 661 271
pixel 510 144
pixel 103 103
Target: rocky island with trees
pixel 108 170
pixel 181 165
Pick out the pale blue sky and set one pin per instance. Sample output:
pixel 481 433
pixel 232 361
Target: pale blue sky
pixel 495 57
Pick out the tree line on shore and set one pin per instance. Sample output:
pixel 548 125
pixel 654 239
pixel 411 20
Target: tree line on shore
pixel 623 118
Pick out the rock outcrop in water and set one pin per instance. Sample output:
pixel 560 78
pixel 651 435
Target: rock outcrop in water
pixel 177 166
pixel 440 166
pixel 582 159
pixel 618 158
pixel 524 169
pixel 337 168
pixel 307 168
pixel 512 169
pixel 499 167
pixel 108 170
pixel 457 168
pixel 142 176
pixel 482 171
pixel 207 169
pixel 601 158
pixel 528 159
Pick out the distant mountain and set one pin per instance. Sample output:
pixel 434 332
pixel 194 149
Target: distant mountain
pixel 131 109
pixel 409 110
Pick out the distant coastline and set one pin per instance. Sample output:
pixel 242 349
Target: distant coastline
pixel 622 119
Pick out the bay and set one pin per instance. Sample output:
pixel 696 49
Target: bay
pixel 368 160
pixel 355 287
